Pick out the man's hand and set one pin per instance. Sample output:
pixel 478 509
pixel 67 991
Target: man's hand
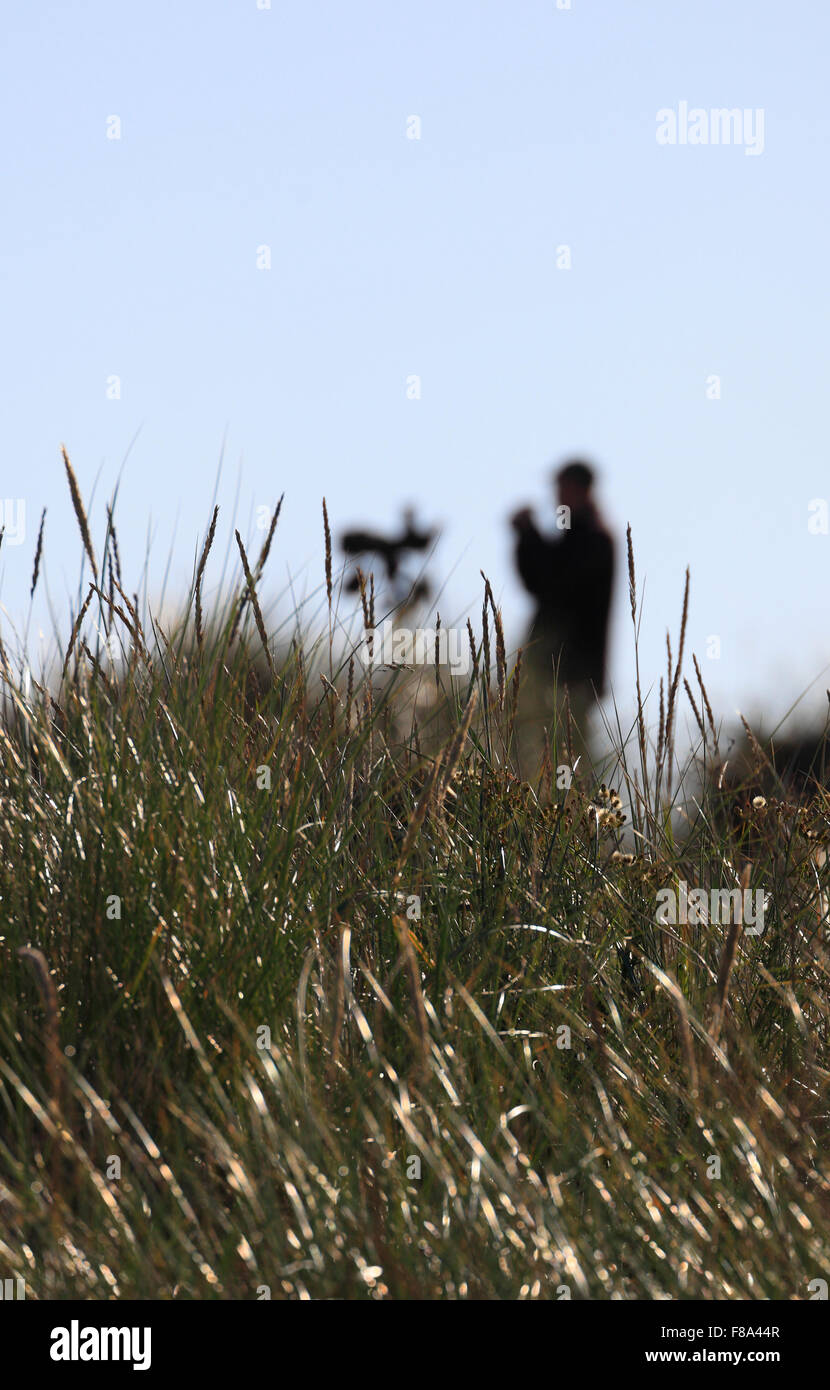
pixel 523 520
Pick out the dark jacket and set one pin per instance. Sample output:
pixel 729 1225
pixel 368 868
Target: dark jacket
pixel 571 579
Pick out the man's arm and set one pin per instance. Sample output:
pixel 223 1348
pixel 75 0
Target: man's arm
pixel 536 557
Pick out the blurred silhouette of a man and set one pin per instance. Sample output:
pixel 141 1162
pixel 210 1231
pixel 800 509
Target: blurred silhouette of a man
pixel 571 577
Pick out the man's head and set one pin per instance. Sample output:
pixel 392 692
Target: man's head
pixel 574 482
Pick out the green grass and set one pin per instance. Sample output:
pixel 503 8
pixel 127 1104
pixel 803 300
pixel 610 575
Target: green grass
pixel 516 1094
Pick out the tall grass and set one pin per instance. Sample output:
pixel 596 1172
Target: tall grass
pixel 298 998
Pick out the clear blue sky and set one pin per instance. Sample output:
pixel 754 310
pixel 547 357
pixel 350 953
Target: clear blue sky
pixel 392 257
